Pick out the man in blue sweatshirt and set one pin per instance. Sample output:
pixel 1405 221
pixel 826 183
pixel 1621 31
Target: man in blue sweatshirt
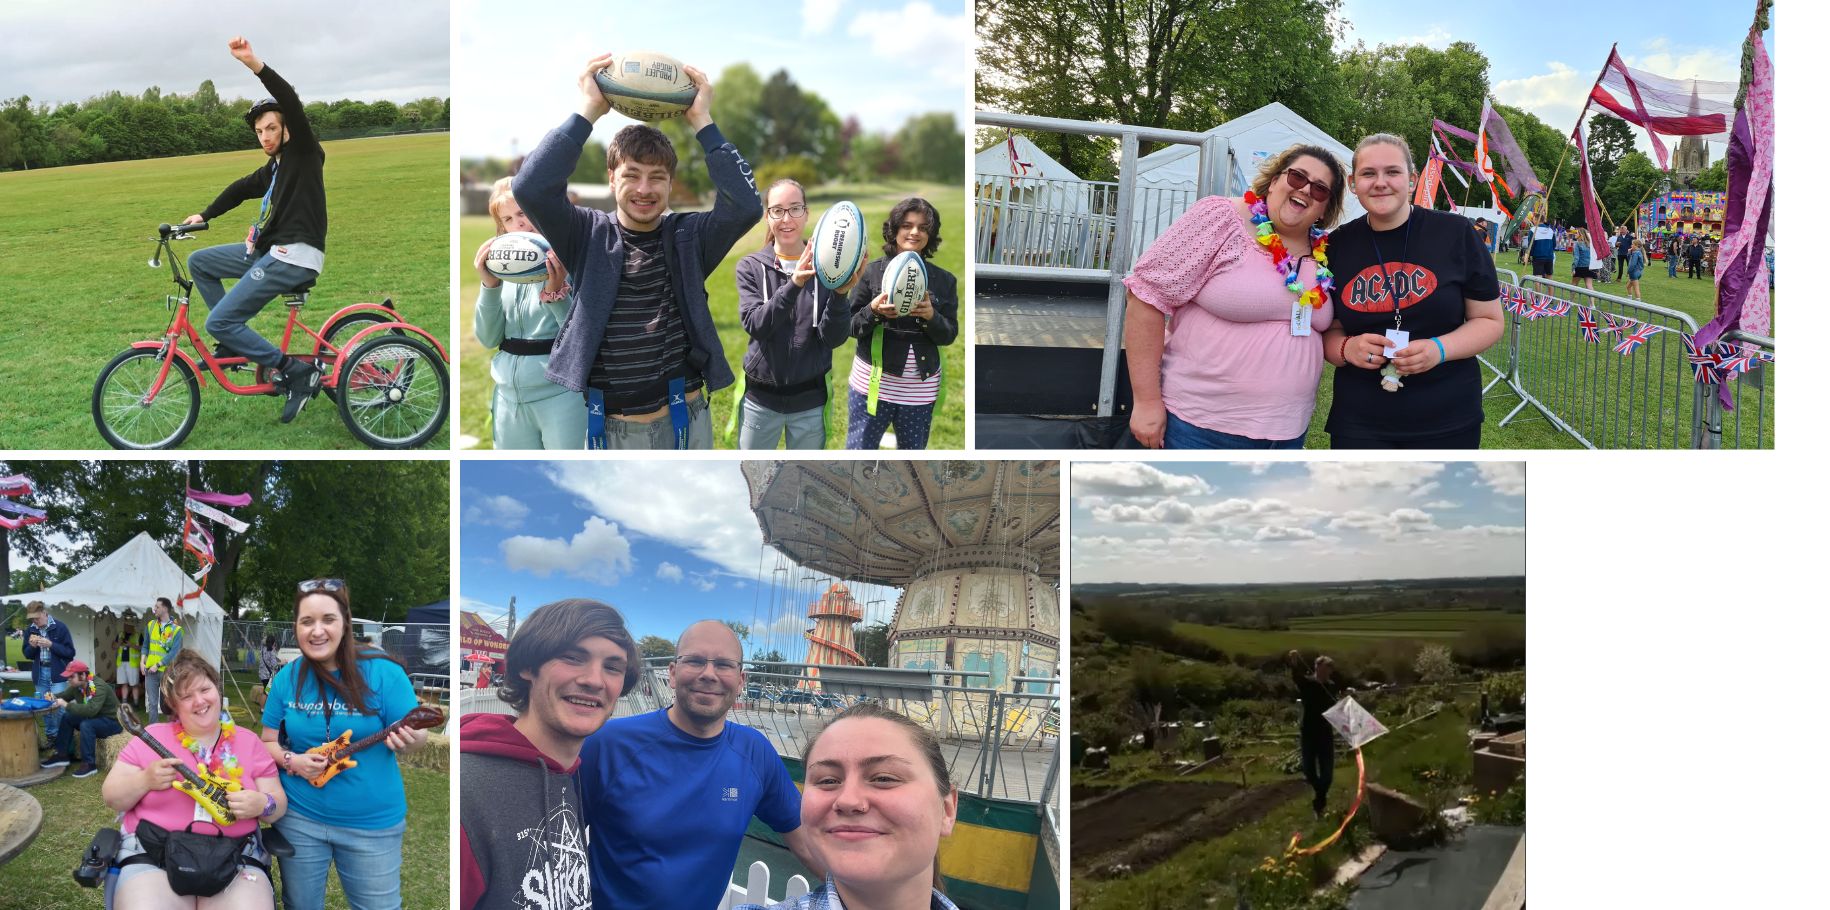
pixel 639 342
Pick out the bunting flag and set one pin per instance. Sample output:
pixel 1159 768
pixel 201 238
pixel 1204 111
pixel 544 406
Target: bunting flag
pixel 1630 341
pixel 1427 182
pixel 1611 324
pixel 1453 167
pixel 1591 210
pixel 198 539
pixel 1483 162
pixel 1743 298
pixel 16 515
pixel 1669 107
pixel 1591 327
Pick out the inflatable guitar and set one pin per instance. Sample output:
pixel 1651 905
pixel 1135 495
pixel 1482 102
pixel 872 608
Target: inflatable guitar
pixel 210 791
pixel 340 749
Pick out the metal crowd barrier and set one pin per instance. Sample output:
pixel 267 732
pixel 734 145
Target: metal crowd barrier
pixel 1750 424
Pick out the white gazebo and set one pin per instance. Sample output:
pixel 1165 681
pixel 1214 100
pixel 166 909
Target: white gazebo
pixel 123 584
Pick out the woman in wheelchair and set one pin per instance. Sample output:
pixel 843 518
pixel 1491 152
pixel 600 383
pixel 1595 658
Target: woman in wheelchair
pixel 141 787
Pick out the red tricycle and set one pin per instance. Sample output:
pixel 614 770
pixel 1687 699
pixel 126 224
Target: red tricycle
pixel 388 376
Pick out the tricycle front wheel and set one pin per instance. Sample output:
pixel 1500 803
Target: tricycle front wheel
pixel 127 412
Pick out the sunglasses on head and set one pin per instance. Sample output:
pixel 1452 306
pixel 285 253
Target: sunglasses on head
pixel 1320 192
pixel 317 585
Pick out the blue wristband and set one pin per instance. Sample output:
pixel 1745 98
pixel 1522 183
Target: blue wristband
pixel 1440 350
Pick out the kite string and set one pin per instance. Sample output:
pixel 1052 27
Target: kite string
pixel 1359 760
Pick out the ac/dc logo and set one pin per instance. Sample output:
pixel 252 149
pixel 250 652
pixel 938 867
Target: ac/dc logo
pixel 1367 292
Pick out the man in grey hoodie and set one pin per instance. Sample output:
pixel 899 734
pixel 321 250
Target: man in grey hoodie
pixel 568 664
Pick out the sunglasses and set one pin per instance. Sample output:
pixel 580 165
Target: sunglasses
pixel 316 585
pixel 1320 192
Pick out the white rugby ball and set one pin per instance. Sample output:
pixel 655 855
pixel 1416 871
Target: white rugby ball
pixel 646 85
pixel 518 257
pixel 905 279
pixel 838 245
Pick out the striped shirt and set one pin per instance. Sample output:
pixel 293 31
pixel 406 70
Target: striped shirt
pixel 906 388
pixel 645 340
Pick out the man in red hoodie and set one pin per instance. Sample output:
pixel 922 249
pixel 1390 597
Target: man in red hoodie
pixel 520 835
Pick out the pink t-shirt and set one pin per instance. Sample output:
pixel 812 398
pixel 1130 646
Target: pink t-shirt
pixel 171 809
pixel 1230 363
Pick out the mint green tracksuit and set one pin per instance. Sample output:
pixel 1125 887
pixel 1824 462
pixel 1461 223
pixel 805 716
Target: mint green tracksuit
pixel 527 411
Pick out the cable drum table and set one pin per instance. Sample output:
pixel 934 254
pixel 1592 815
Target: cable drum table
pixel 19 749
pixel 20 819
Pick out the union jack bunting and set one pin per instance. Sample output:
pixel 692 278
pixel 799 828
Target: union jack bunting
pixel 1611 324
pixel 1585 317
pixel 1706 360
pixel 1630 341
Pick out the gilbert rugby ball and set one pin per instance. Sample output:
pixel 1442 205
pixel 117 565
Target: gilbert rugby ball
pixel 646 85
pixel 905 279
pixel 838 245
pixel 518 257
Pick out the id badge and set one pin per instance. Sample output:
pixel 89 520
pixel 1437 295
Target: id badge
pixel 1398 339
pixel 198 814
pixel 1299 319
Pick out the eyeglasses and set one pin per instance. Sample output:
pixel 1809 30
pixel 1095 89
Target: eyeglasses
pixel 316 585
pixel 698 664
pixel 777 213
pixel 1320 192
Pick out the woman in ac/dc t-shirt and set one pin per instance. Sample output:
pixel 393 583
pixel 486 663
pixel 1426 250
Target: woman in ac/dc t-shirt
pixel 1448 302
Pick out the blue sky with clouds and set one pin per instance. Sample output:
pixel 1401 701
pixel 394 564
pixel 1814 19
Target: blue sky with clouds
pixel 515 66
pixel 1295 521
pixel 666 543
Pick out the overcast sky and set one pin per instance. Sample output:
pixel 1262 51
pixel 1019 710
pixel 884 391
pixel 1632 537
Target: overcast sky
pixel 880 60
pixel 1251 522
pixel 327 49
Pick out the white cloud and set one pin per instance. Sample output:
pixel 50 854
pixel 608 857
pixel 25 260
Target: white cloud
pixel 1506 478
pixel 1258 468
pixel 1390 526
pixel 1426 489
pixel 500 511
pixel 1129 478
pixel 1270 533
pixel 702 507
pixel 1441 504
pixel 667 571
pixel 1395 475
pixel 916 34
pixel 704 582
pixel 1168 511
pixel 817 16
pixel 598 552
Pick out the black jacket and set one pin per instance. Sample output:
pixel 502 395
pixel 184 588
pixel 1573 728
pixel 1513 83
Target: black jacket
pixel 793 332
pixel 902 332
pixel 297 214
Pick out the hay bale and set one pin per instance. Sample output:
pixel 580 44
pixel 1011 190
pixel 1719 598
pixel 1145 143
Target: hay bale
pixel 109 748
pixel 436 756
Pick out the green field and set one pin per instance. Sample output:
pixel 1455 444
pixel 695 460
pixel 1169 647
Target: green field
pixel 39 878
pixel 874 199
pixel 1694 297
pixel 388 200
pixel 1350 632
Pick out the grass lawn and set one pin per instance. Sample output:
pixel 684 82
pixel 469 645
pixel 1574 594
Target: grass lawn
pixel 1342 634
pixel 388 200
pixel 874 199
pixel 1643 427
pixel 1208 873
pixel 39 879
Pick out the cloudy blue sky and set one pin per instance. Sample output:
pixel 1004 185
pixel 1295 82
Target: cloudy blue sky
pixel 1295 521
pixel 666 543
pixel 517 66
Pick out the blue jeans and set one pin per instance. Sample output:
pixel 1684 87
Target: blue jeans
pixel 1670 265
pixel 92 728
pixel 1180 434
pixel 262 279
pixel 761 428
pixel 368 864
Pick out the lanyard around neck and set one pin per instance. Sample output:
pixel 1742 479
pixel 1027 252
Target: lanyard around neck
pixel 1404 258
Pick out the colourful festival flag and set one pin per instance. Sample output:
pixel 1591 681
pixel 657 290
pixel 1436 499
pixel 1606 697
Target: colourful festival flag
pixel 1630 341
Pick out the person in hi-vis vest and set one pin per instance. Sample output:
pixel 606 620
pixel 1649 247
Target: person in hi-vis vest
pixel 129 645
pixel 164 639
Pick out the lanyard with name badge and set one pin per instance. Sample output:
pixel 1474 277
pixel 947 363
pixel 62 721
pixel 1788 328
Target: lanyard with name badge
pixel 1396 334
pixel 1299 311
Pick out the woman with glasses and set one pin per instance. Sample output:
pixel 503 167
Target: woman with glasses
pixel 356 819
pixel 527 410
pixel 795 324
pixel 1406 377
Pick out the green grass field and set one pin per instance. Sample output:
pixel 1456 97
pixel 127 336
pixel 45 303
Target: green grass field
pixel 1352 632
pixel 1694 297
pixel 39 878
pixel 388 201
pixel 874 199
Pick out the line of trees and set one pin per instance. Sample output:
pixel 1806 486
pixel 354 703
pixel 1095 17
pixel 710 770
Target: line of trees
pixel 1192 64
pixel 156 124
pixel 785 130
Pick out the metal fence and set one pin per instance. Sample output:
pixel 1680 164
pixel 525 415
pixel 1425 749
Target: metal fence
pixel 1602 398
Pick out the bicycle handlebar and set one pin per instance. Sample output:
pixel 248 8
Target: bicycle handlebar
pixel 166 230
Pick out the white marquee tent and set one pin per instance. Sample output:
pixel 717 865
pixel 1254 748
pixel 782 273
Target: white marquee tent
pixel 125 582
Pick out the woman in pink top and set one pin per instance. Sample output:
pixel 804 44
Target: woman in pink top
pixel 140 786
pixel 1239 368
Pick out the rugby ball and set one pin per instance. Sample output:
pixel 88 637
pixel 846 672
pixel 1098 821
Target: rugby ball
pixel 518 257
pixel 838 245
pixel 646 85
pixel 905 279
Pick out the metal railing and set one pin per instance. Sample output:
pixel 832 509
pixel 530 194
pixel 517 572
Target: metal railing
pixel 1015 240
pixel 1748 395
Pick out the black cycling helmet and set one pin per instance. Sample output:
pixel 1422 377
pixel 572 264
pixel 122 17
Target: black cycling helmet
pixel 260 107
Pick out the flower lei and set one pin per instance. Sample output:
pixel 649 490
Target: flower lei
pixel 228 767
pixel 1315 295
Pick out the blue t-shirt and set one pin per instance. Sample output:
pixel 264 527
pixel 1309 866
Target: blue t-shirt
pixel 668 810
pixel 368 796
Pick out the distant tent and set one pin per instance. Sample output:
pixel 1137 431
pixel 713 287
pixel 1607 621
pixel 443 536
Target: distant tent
pixel 94 601
pixel 1031 210
pixel 1167 178
pixel 427 642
